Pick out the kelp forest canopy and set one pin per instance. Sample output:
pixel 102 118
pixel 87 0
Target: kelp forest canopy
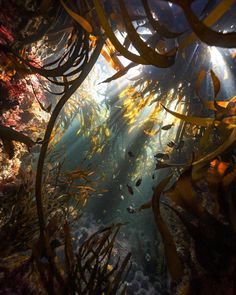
pixel 117 147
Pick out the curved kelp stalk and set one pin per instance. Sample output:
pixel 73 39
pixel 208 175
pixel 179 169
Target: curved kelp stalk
pixel 150 55
pixel 203 32
pixel 109 33
pixel 39 176
pixel 160 28
pixel 79 19
pixel 173 261
pixel 71 59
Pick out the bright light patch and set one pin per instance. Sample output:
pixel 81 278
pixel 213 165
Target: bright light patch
pixel 216 57
pixel 134 72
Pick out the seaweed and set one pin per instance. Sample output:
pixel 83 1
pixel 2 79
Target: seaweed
pixel 54 45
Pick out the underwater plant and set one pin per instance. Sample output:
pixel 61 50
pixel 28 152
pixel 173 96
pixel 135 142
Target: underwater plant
pixel 47 50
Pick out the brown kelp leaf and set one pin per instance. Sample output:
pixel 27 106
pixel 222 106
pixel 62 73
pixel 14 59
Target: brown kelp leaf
pixel 204 33
pixel 193 120
pixel 229 141
pixel 219 106
pixel 109 33
pixel 230 121
pixel 78 18
pixel 149 54
pixel 92 276
pixel 211 104
pixel 216 83
pixel 111 59
pixel 158 26
pixel 205 140
pixel 8 147
pixel 182 194
pixel 173 261
pixel 117 278
pixel 138 182
pixel 161 165
pixel 198 84
pixel 120 73
pixel 229 178
pixel 69 254
pixel 144 206
pixel 207 244
pixel 220 110
pixel 130 190
pixel 127 42
pixel 167 127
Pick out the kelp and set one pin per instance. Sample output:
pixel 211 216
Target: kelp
pixel 120 73
pixel 201 195
pixel 45 248
pixel 203 32
pixel 109 33
pixel 200 79
pixel 88 270
pixel 26 255
pixel 216 83
pixel 160 28
pixel 223 147
pixel 150 55
pixel 229 123
pixel 214 241
pixel 173 261
pixel 55 113
pixel 81 20
pixel 191 119
pixel 92 273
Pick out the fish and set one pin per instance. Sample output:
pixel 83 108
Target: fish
pixel 162 156
pixel 167 127
pixel 180 145
pixel 131 154
pixel 171 144
pixel 138 182
pixel 130 190
pixel 131 210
